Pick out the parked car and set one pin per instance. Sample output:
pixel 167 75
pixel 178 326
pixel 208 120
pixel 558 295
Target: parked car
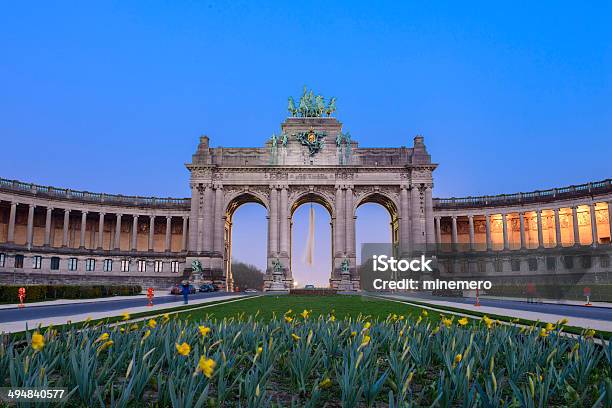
pixel 309 287
pixel 178 290
pixel 207 287
pixel 250 291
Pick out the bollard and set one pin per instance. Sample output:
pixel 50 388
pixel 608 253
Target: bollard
pixel 477 298
pixel 150 294
pixel 21 295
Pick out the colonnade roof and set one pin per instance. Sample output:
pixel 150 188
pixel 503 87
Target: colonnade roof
pixel 553 194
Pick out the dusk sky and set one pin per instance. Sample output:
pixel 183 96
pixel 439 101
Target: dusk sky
pixel 112 96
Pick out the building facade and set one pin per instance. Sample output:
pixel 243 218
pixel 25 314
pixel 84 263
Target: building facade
pixel 53 235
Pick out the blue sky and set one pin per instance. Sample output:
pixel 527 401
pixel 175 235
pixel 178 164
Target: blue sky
pixel 112 96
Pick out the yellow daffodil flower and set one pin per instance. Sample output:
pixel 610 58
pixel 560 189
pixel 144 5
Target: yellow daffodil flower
pixel 183 349
pixel 38 341
pixel 206 366
pixel 103 337
pixel 204 330
pixel 326 383
pixel 457 359
pixel 125 316
pixel 295 337
pixel 463 321
pixel 288 319
pixel 152 323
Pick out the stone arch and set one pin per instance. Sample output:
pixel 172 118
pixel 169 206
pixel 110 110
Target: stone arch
pixel 238 198
pixel 312 197
pixel 233 201
pixel 387 201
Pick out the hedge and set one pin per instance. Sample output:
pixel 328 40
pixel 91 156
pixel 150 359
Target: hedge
pixel 38 293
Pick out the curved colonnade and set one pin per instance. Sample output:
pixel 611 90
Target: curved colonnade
pixel 58 235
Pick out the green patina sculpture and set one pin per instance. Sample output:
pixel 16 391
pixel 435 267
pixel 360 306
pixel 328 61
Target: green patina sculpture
pixel 196 266
pixel 311 139
pixel 345 266
pixel 311 106
pixel 277 265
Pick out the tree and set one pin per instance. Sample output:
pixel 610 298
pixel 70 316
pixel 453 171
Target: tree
pixel 247 276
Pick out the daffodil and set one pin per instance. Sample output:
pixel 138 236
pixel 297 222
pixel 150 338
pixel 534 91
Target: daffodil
pixel 543 332
pixel 365 341
pixel 435 330
pixel 550 326
pixel 259 351
pixel 589 334
pixel 447 322
pixel 353 333
pixel 288 312
pixel 288 319
pixel 105 345
pixel 206 366
pixel 103 337
pixel 125 316
pixel 326 383
pixel 152 323
pixel 305 314
pixel 424 313
pixel 134 327
pixel 563 321
pixel 165 317
pixel 332 318
pixel 38 341
pixel 487 321
pixel 204 330
pixel 457 359
pixel 367 326
pixel 183 349
pixel 295 337
pixel 144 337
pixel 463 321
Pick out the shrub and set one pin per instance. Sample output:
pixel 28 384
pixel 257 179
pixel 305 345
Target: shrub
pixel 38 293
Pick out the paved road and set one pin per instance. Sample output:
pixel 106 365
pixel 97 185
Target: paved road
pixel 596 313
pixel 32 311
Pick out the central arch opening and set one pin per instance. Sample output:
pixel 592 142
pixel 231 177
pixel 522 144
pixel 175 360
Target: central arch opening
pixel 316 271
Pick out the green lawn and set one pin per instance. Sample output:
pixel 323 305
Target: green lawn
pixel 264 307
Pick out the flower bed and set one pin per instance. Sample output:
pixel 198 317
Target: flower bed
pixel 38 293
pixel 298 360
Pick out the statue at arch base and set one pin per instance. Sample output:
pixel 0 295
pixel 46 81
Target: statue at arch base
pixel 198 277
pixel 276 280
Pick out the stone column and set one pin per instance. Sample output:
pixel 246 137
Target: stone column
pixel 11 226
pixel 593 224
pixel 488 232
pixel 415 219
pixel 48 226
pixel 83 228
pixel 134 232
pixel 273 223
pixel 350 223
pixel 30 228
pixel 339 228
pixel 522 229
pixel 429 218
pixel 118 232
pixel 438 231
pixel 404 228
pixel 505 231
pixel 194 220
pixel 610 219
pixel 284 222
pixel 575 225
pixel 151 231
pixel 66 227
pixel 167 241
pixel 101 231
pixel 558 242
pixel 540 233
pixel 205 229
pixel 471 225
pixel 184 237
pixel 219 222
pixel 454 239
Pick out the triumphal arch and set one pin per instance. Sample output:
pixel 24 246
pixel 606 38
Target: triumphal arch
pixel 312 159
